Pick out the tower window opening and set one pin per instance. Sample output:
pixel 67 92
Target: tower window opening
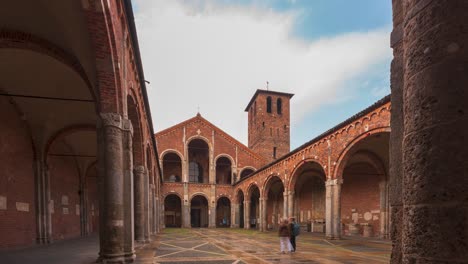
pixel 274 152
pixel 279 106
pixel 268 104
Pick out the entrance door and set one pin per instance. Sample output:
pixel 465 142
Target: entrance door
pixel 195 217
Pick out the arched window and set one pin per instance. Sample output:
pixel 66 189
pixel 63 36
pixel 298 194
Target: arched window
pixel 195 173
pixel 268 104
pixel 279 106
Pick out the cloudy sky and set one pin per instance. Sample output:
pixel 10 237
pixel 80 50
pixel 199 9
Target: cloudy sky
pixel 333 55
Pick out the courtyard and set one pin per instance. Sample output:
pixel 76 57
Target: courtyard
pixel 216 246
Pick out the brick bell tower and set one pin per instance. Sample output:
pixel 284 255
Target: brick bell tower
pixel 269 122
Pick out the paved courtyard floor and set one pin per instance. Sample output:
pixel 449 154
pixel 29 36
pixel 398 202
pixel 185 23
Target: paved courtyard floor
pixel 213 246
pixel 226 246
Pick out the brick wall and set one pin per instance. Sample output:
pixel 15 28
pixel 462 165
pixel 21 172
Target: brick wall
pixel 360 197
pixel 17 216
pixel 64 187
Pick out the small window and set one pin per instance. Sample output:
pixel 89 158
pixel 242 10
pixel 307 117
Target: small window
pixel 268 104
pixel 274 152
pixel 195 174
pixel 263 124
pixel 279 106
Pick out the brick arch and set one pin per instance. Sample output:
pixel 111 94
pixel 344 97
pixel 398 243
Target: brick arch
pixel 103 38
pixel 237 192
pixel 267 184
pixel 372 159
pixel 167 151
pixel 225 156
pixel 134 115
pixel 293 176
pixel 249 190
pixel 174 193
pixel 67 131
pixel 344 154
pixel 190 139
pixel 15 39
pixel 199 194
pixel 225 196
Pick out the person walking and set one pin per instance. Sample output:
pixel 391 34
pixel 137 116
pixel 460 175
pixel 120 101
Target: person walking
pixel 294 230
pixel 284 234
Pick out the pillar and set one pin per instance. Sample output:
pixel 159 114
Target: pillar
pixel 112 194
pixel 290 205
pixel 247 214
pixel 435 152
pixel 235 215
pixel 263 214
pixel 186 208
pixel 128 185
pixel 139 178
pixel 285 205
pixel 147 209
pixel 212 207
pixel 383 209
pixel 333 208
pixel 395 179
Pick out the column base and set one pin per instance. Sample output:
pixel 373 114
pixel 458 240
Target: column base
pixel 117 258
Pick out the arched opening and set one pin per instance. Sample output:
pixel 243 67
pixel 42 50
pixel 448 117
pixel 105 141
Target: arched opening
pixel 309 196
pixel 199 211
pixel 199 161
pixel 240 201
pixel 254 214
pixel 172 211
pixel 364 206
pixel 274 190
pixel 268 104
pixel 172 167
pixel 223 212
pixel 246 172
pixel 223 170
pixel 279 106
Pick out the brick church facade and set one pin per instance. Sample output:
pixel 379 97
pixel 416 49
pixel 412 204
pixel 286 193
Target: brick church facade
pixel 336 183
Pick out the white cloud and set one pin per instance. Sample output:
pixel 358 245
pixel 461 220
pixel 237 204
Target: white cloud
pixel 199 53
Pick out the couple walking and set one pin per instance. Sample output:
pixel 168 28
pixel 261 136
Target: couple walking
pixel 287 233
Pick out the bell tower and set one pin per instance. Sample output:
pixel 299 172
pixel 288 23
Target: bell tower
pixel 269 120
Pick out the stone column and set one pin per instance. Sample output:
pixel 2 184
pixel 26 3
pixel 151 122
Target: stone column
pixel 247 214
pixel 383 210
pixel 435 136
pixel 112 213
pixel 129 235
pixel 147 209
pixel 139 172
pixel 290 205
pixel 263 215
pixel 285 205
pixel 333 208
pixel 186 208
pixel 235 215
pixel 212 207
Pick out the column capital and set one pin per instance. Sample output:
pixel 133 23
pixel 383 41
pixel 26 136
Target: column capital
pixel 331 182
pixel 127 126
pixel 111 119
pixel 139 169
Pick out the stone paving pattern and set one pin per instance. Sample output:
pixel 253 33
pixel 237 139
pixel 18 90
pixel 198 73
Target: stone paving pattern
pixel 213 246
pixel 190 246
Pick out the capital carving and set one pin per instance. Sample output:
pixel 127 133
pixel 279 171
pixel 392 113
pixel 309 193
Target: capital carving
pixel 111 119
pixel 139 169
pixel 127 125
pixel 332 182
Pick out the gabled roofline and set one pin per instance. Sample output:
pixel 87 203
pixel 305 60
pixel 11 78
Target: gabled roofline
pixel 259 91
pixel 226 135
